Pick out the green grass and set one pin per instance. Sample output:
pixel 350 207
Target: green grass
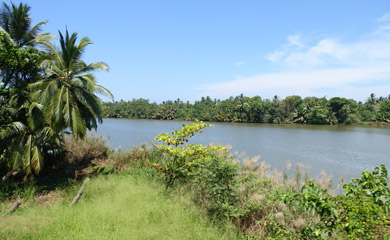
pixel 114 207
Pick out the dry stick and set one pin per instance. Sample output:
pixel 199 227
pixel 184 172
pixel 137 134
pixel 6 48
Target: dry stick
pixel 6 176
pixel 77 197
pixel 14 207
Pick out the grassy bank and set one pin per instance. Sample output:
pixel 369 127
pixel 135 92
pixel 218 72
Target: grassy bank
pixel 120 206
pixel 259 203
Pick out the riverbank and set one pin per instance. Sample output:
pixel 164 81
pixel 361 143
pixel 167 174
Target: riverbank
pixel 340 151
pixel 257 201
pixel 361 124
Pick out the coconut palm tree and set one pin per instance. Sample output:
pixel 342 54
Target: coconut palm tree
pixel 16 21
pixel 69 87
pixel 24 145
pixel 25 137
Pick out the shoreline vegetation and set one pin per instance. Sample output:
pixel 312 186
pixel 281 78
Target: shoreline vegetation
pixel 247 200
pixel 375 111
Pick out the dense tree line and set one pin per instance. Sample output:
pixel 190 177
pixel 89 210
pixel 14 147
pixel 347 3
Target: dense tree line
pixel 45 90
pixel 292 109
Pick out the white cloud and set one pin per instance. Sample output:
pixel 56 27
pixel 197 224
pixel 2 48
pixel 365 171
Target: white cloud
pixel 307 83
pixel 384 18
pixel 275 56
pixel 240 63
pixel 328 66
pixel 295 40
pixel 325 50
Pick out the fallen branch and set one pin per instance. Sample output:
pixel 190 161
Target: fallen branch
pixel 14 207
pixel 77 197
pixel 6 176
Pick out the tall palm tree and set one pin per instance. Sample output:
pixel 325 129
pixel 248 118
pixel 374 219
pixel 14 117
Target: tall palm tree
pixel 69 87
pixel 16 21
pixel 25 138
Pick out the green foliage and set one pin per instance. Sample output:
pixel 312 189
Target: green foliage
pixel 183 154
pixel 25 137
pixel 213 181
pixel 292 109
pixel 314 201
pixel 362 213
pixel 362 218
pixel 365 206
pixel 249 196
pixel 16 21
pixel 68 88
pixel 19 66
pixel 317 115
pixel 103 170
pixel 374 185
pixel 384 111
pixel 42 92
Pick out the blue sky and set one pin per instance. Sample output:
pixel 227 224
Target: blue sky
pixel 164 50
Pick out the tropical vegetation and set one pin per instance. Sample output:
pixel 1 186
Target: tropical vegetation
pixel 241 196
pixel 292 109
pixel 44 90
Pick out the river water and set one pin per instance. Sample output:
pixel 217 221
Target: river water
pixel 337 150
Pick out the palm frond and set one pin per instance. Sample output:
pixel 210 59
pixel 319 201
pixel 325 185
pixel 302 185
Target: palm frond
pixel 92 67
pixel 35 119
pixel 84 42
pixel 27 155
pixel 66 110
pixel 78 126
pixel 12 129
pixel 42 39
pixel 36 159
pixel 104 91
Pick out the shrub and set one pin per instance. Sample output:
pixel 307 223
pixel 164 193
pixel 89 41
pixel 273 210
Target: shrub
pixel 373 185
pixel 82 151
pixel 365 205
pixel 361 218
pixel 213 181
pixel 183 155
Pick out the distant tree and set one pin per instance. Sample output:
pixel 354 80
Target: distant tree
pixel 256 110
pixel 372 100
pixel 318 115
pixel 341 108
pixel 290 103
pixel 384 111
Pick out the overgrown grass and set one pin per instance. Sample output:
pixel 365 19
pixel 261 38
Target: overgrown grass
pixel 118 206
pixel 268 204
pixel 261 204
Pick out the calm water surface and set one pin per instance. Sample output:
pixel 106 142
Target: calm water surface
pixel 334 149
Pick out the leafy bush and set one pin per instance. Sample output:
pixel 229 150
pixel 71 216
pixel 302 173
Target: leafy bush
pixel 373 185
pixel 313 201
pixel 184 156
pixel 365 206
pixel 361 218
pixel 213 181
